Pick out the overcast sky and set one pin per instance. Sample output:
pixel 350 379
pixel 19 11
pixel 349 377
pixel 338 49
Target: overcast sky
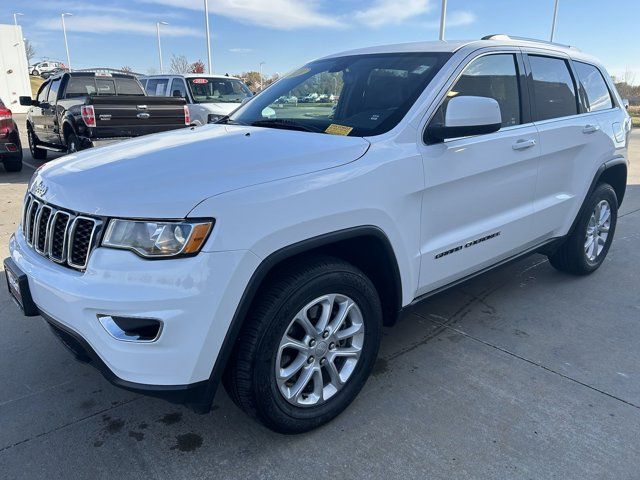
pixel 287 33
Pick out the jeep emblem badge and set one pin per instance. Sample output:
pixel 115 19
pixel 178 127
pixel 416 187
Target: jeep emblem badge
pixel 40 189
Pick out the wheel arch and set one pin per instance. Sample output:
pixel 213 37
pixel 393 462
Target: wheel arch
pixel 613 172
pixel 366 247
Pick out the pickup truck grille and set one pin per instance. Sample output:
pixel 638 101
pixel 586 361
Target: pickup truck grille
pixel 60 235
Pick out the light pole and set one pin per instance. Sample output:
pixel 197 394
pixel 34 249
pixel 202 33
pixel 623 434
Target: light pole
pixel 66 43
pixel 159 44
pixel 443 18
pixel 206 22
pixel 261 84
pixel 15 22
pixel 555 17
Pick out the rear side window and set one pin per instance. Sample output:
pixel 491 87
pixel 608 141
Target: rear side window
pixel 80 87
pixel 553 88
pixel 156 87
pixel 594 92
pixel 178 88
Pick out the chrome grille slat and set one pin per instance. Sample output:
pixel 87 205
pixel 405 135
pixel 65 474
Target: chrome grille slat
pixel 59 235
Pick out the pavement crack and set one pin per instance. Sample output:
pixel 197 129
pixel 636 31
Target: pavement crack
pixel 74 422
pixel 437 320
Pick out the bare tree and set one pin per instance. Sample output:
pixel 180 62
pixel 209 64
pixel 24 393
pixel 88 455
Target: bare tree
pixel 30 50
pixel 179 64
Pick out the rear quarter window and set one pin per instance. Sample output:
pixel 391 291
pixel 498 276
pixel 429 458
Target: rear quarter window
pixel 594 93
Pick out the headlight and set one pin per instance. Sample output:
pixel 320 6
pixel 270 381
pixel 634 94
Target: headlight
pixel 213 118
pixel 155 239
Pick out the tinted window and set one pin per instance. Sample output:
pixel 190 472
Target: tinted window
pixel 593 89
pixel 178 86
pixel 157 87
pixel 553 88
pixel 218 90
pixel 106 86
pixel 492 76
pixel 53 91
pixel 80 86
pixel 42 93
pixel 128 86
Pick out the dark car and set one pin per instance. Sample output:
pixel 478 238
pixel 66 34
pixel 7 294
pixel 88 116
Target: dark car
pixel 10 146
pixel 79 110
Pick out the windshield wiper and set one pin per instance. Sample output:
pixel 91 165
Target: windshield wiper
pixel 285 124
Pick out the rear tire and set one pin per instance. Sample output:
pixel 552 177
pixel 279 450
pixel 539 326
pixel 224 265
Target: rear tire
pixel 587 246
pixel 331 359
pixel 36 152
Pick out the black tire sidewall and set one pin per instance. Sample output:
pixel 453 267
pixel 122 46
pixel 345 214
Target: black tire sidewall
pixel 273 408
pixel 602 192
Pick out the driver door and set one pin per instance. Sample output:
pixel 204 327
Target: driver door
pixel 478 199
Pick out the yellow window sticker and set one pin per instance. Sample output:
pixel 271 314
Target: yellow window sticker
pixel 335 129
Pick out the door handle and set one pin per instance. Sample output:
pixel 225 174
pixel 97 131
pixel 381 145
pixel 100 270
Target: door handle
pixel 522 144
pixel 590 128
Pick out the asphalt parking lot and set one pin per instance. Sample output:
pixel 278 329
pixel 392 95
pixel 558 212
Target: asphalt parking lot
pixel 523 373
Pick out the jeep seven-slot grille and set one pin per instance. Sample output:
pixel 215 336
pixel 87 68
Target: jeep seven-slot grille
pixel 60 235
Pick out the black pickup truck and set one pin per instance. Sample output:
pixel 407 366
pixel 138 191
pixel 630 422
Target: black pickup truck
pixel 79 110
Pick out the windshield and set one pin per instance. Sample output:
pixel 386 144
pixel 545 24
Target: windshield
pixel 218 90
pixel 360 95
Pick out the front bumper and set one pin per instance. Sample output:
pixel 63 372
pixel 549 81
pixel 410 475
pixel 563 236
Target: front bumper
pixel 194 297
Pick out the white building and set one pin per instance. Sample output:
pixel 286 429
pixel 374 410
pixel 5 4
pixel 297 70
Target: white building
pixel 14 70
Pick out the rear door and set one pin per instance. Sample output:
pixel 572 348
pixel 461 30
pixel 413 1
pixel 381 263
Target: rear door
pixel 572 142
pixel 479 191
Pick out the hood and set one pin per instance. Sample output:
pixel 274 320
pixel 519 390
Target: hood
pixel 166 175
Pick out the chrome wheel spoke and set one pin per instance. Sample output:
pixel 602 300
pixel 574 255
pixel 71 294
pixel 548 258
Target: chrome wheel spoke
pixel 349 332
pixel 302 382
pixel 334 374
pixel 325 316
pixel 352 352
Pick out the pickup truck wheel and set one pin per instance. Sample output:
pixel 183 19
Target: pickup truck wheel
pixel 73 143
pixel 308 345
pixel 36 153
pixel 586 248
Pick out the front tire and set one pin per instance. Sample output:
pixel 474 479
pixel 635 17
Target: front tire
pixel 587 246
pixel 308 345
pixel 73 143
pixel 36 152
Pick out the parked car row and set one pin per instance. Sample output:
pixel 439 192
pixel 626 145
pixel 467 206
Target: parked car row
pixel 47 68
pixel 209 97
pixel 79 110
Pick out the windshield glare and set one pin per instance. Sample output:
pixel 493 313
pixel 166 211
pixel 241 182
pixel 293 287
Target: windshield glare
pixel 218 90
pixel 360 95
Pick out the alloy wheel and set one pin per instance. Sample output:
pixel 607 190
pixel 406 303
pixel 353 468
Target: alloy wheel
pixel 597 230
pixel 319 350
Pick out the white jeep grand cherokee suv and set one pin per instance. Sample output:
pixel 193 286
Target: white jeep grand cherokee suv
pixel 268 252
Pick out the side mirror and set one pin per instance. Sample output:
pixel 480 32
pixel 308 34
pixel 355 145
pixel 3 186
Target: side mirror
pixel 465 117
pixel 28 102
pixel 178 94
pixel 625 103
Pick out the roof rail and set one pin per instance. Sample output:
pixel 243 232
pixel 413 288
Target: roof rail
pixel 502 36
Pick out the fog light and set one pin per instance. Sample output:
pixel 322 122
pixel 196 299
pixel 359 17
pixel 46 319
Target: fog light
pixel 11 147
pixel 131 329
